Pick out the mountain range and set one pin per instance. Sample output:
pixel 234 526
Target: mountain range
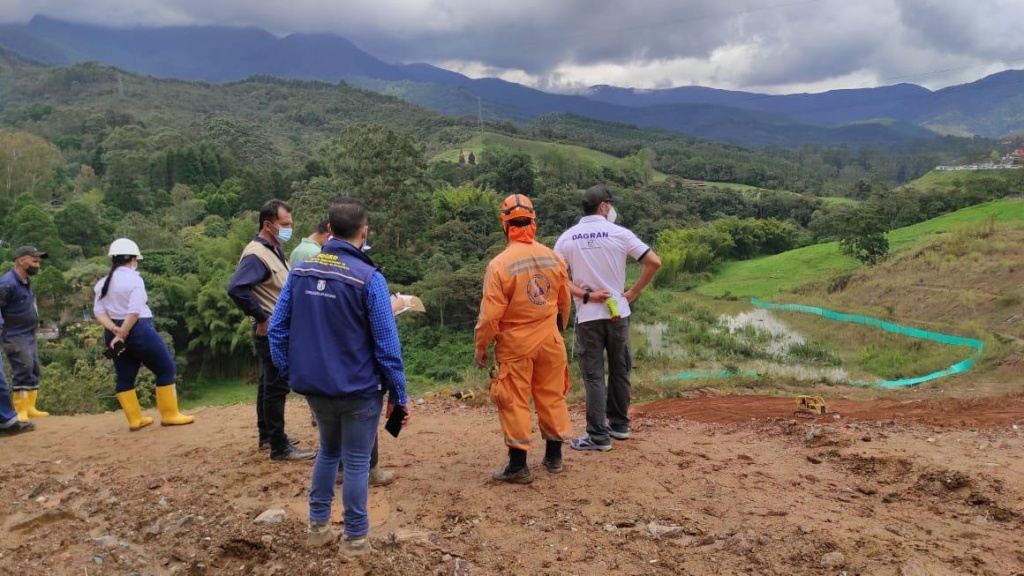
pixel 991 107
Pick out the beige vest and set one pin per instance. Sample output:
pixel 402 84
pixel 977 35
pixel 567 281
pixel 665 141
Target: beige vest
pixel 267 292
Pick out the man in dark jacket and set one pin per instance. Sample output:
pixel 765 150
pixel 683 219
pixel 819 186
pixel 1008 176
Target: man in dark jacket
pixel 255 288
pixel 333 334
pixel 19 320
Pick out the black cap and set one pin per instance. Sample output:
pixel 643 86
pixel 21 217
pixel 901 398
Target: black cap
pixel 29 251
pixel 599 193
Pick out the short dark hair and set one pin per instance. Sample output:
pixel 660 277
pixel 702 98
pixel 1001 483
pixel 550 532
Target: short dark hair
pixel 324 226
pixel 347 216
pixel 270 210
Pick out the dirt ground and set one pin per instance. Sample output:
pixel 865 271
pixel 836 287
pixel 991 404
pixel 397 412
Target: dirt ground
pixel 715 485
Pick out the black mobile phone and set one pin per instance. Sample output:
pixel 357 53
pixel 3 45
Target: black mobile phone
pixel 394 423
pixel 115 351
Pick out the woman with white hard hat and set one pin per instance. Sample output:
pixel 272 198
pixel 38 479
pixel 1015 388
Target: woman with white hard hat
pixel 121 307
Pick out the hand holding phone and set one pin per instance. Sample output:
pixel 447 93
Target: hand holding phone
pixel 115 349
pixel 396 419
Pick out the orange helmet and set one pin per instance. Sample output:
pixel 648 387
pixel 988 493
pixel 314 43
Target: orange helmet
pixel 517 206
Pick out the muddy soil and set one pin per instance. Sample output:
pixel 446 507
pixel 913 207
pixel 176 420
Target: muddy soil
pixel 705 486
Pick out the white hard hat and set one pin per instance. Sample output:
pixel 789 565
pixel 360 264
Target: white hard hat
pixel 124 247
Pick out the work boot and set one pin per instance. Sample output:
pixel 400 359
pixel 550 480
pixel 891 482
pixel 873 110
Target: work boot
pixel 380 477
pixel 554 465
pixel 30 407
pixel 516 472
pixel 292 454
pixel 514 476
pixel 19 400
pixel 129 401
pixel 167 404
pixel 17 428
pixel 355 546
pixel 319 534
pixel 553 456
pixel 265 444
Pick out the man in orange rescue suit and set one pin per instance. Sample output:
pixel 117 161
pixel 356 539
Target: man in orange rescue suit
pixel 525 306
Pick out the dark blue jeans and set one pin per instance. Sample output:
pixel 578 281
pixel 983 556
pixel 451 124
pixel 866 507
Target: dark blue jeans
pixel 348 428
pixel 143 347
pixel 7 414
pixel 23 355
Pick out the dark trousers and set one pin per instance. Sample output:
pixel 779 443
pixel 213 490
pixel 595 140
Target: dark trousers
pixel 270 398
pixel 605 405
pixel 23 355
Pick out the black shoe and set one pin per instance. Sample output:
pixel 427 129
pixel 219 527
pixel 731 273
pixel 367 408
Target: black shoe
pixel 292 453
pixel 554 465
pixel 17 428
pixel 265 444
pixel 520 476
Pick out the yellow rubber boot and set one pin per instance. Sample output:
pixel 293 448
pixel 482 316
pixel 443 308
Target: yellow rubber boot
pixel 31 405
pixel 20 400
pixel 130 404
pixel 167 403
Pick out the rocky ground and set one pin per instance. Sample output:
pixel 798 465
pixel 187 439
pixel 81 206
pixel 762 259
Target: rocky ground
pixel 715 485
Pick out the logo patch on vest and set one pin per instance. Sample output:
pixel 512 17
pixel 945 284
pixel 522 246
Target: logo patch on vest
pixel 537 289
pixel 320 285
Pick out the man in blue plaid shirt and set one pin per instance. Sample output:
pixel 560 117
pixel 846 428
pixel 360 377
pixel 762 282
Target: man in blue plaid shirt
pixel 343 355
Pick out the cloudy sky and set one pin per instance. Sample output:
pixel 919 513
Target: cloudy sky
pixel 775 46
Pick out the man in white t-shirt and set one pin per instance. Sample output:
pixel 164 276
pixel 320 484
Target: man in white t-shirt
pixel 595 250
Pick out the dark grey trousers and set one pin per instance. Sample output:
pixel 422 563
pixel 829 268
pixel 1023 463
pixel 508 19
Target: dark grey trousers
pixel 605 405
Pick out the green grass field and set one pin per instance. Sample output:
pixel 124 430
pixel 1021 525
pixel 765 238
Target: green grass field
pixel 770 275
pixel 946 180
pixel 747 190
pixel 752 191
pixel 218 393
pixel 839 201
pixel 533 148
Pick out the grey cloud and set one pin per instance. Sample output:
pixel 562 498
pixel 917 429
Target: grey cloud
pixel 789 42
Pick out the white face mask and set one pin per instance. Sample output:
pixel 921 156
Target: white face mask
pixel 612 214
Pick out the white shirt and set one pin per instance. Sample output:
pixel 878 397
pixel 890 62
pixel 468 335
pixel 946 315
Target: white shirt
pixel 595 251
pixel 126 295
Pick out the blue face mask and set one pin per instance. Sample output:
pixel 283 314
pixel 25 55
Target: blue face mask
pixel 284 235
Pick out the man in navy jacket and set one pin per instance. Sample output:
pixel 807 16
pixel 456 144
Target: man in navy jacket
pixel 19 320
pixel 333 335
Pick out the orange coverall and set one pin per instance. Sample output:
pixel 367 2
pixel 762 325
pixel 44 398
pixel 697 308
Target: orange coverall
pixel 525 288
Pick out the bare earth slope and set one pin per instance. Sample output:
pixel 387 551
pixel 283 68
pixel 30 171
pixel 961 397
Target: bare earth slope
pixel 893 491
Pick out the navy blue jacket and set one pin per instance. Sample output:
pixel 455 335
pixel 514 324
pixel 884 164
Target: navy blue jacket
pixel 18 313
pixel 333 332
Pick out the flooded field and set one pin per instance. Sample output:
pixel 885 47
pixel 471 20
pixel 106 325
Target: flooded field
pixel 751 340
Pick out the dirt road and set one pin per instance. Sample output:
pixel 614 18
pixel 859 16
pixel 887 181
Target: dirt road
pixel 702 489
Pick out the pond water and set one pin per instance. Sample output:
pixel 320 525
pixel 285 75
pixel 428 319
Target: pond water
pixel 770 332
pixel 780 336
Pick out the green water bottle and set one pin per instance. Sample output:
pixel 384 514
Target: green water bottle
pixel 613 309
